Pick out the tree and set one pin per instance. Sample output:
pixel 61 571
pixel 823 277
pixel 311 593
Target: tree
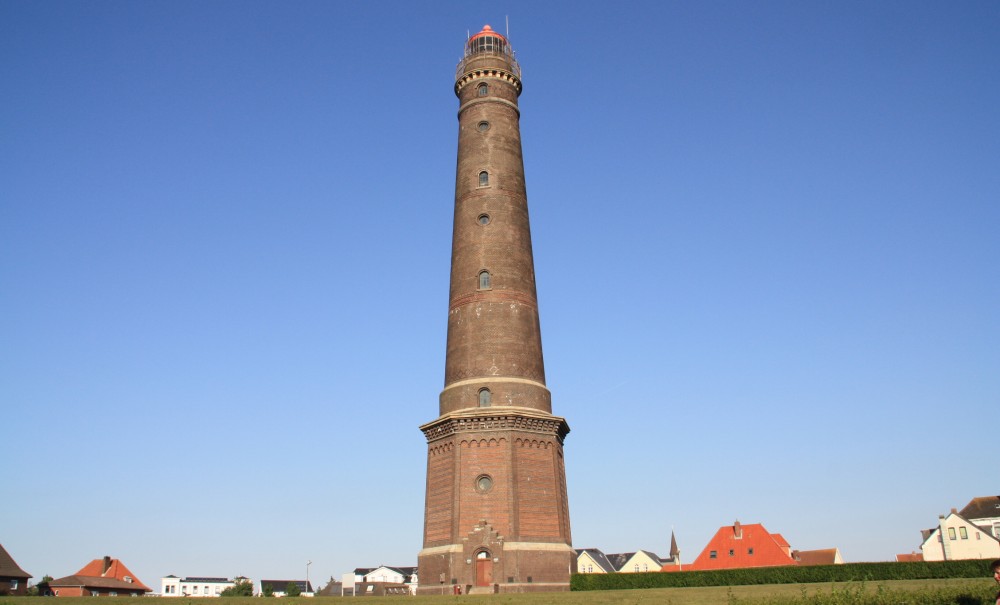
pixel 292 590
pixel 242 588
pixel 41 589
pixel 267 590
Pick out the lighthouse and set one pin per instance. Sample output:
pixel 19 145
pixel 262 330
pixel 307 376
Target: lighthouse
pixel 496 515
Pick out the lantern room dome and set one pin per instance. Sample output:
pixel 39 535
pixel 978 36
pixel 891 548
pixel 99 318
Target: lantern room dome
pixel 488 41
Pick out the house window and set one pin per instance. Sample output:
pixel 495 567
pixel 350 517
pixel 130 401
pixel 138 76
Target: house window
pixel 484 280
pixel 732 553
pixel 712 554
pixel 484 179
pixel 485 398
pixel 963 533
pixel 590 569
pixel 645 567
pixel 13 584
pixel 636 568
pixel 951 533
pixel 750 551
pixel 113 593
pixel 483 90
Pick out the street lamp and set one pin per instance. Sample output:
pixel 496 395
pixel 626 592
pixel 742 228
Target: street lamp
pixel 308 563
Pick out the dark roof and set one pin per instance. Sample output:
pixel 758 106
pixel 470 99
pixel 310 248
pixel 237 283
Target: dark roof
pixel 207 580
pixel 983 507
pixel 8 568
pixel 360 571
pixel 618 560
pixel 599 557
pixel 281 585
pixel 653 556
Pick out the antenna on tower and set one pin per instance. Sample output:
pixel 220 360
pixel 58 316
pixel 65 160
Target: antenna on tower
pixel 506 21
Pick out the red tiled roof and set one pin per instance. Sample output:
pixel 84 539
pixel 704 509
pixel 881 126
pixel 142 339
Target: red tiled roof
pixel 94 574
pixel 751 546
pixel 825 556
pixel 910 557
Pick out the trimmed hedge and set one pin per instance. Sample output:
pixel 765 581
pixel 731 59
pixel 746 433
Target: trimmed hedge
pixel 790 574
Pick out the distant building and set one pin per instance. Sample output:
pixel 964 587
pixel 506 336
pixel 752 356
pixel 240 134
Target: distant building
pixel 737 546
pixel 172 586
pixel 911 557
pixel 825 556
pixel 592 560
pixel 333 588
pixel 956 537
pixel 105 577
pixel 280 587
pixel 13 579
pixel 984 512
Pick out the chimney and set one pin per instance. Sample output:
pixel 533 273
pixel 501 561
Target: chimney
pixel 107 564
pixel 954 511
pixel 737 530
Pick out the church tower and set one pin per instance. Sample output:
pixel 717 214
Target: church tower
pixel 496 514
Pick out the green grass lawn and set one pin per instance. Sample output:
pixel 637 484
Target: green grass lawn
pixel 930 592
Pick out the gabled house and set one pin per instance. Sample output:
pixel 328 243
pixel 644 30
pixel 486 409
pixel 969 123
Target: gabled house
pixel 738 546
pixel 984 512
pixel 592 560
pixel 956 537
pixel 638 562
pixel 279 587
pixel 105 577
pixel 825 556
pixel 13 579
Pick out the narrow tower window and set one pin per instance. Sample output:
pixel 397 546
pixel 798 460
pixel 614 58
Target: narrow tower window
pixel 485 398
pixel 484 179
pixel 483 90
pixel 484 280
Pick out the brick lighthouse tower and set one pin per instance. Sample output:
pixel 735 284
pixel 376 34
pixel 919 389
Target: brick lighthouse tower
pixel 496 513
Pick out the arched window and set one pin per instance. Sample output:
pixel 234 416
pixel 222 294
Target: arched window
pixel 484 280
pixel 483 90
pixel 484 179
pixel 485 398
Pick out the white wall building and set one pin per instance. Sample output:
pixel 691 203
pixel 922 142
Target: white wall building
pixel 956 537
pixel 172 586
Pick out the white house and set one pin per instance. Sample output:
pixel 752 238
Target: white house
pixel 172 586
pixel 984 511
pixel 956 537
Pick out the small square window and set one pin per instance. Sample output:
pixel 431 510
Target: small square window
pixel 750 551
pixel 712 554
pixel 732 553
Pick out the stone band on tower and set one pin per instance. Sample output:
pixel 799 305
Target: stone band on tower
pixel 496 511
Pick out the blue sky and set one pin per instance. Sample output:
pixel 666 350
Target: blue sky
pixel 765 241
